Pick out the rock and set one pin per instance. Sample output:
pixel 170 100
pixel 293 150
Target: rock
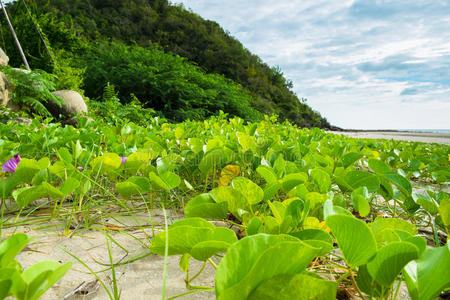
pixel 4 86
pixel 73 121
pixel 23 120
pixel 7 115
pixel 74 104
pixel 4 59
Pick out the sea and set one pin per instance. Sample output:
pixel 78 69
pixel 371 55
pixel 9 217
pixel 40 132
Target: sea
pixel 426 130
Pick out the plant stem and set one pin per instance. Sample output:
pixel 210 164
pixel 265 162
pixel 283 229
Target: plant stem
pixel 166 254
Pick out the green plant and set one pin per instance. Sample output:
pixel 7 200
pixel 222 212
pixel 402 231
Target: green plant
pixel 31 90
pixel 114 112
pixel 26 284
pixel 164 82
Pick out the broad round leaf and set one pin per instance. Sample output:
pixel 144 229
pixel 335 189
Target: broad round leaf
pixel 354 238
pixel 251 191
pixel 257 258
pixel 205 207
pixel 302 286
pixel 428 276
pixel 390 260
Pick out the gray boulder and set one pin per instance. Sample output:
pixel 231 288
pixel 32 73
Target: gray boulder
pixel 4 86
pixel 4 59
pixel 74 104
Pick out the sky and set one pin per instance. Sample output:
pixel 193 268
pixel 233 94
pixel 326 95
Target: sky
pixel 361 64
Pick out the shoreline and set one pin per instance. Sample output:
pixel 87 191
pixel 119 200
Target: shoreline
pixel 412 136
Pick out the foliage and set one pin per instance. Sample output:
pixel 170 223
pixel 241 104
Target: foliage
pixel 27 284
pixel 32 90
pixel 149 22
pixel 114 112
pixel 303 202
pixel 164 82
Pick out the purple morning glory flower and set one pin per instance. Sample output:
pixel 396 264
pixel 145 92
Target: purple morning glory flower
pixel 123 159
pixel 80 168
pixel 11 164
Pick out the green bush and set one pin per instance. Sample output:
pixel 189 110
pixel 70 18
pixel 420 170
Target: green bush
pixel 31 90
pixel 111 110
pixel 164 82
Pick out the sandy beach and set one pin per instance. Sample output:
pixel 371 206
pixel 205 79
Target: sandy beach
pixel 426 137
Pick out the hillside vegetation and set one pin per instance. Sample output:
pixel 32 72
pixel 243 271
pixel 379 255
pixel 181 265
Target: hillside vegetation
pixel 71 27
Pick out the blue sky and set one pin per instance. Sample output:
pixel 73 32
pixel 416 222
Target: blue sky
pixel 361 64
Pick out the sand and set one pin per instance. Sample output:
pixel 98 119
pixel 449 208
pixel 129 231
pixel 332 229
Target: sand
pixel 141 279
pixel 426 137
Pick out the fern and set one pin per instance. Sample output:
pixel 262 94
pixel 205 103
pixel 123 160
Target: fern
pixel 32 89
pixel 109 93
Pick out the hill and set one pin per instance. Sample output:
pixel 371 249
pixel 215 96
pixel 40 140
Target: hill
pixel 178 31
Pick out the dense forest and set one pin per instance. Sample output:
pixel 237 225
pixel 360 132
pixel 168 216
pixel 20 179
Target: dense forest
pixel 182 86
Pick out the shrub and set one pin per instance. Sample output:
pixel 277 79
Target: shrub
pixel 164 82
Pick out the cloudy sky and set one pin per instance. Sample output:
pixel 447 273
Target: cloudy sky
pixel 361 64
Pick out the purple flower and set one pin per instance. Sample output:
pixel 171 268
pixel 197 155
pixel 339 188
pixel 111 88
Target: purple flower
pixel 123 159
pixel 80 168
pixel 11 164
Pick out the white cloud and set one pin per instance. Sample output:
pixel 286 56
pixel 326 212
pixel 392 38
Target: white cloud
pixel 362 64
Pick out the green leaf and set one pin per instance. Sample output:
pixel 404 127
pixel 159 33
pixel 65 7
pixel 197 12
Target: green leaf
pixel 158 182
pixel 257 258
pixel 26 170
pixel 302 286
pixel 254 226
pixel 11 247
pixel 204 206
pixel 235 200
pixel 322 179
pixel 360 198
pixel 356 179
pixel 349 159
pixel 428 276
pixel 5 286
pixel 316 238
pixel 379 167
pixel 43 275
pixel 384 229
pixel 7 185
pixel 212 160
pixel 77 149
pixel 444 211
pixel 313 234
pixel 427 203
pixel 368 285
pixel 171 179
pixel 252 192
pixel 26 195
pixel 400 182
pixel 64 155
pixel 204 250
pixel 135 185
pixel 107 163
pixel 296 210
pixel 277 210
pixel 279 166
pixel 329 209
pixel 292 180
pixel 185 234
pixel 184 262
pixel 271 190
pixel 69 186
pixel 354 238
pixel 40 177
pixel 267 173
pixel 315 199
pixel 390 260
pixel 18 287
pixel 137 162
